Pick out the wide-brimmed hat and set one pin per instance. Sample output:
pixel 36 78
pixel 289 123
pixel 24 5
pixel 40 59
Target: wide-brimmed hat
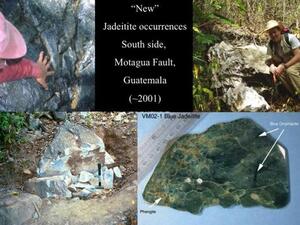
pixel 271 24
pixel 12 43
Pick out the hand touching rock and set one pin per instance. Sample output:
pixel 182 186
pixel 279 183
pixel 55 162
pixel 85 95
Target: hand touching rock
pixel 44 64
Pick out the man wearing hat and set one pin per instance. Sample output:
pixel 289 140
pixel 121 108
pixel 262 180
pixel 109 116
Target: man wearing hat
pixel 285 56
pixel 12 50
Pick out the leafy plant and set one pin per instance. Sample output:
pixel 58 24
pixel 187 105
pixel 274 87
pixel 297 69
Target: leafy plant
pixel 10 126
pixel 204 99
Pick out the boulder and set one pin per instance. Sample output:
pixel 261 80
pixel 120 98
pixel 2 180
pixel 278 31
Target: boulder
pixel 243 98
pixel 241 71
pixel 17 209
pixel 85 176
pixel 65 30
pixel 74 149
pixel 71 162
pixel 48 187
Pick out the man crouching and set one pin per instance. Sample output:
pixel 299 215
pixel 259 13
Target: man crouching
pixel 285 56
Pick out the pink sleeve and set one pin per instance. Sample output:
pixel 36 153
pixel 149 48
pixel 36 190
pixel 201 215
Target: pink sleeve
pixel 23 69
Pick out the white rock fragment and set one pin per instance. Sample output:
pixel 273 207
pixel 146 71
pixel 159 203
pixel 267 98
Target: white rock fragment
pixel 107 178
pixel 199 181
pixel 187 180
pixel 243 98
pixel 117 172
pixel 119 116
pixel 68 180
pixel 85 176
pixel 27 172
pixel 108 159
pixel 84 114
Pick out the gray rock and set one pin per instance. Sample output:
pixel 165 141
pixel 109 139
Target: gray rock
pixel 74 149
pixel 60 116
pixel 34 123
pixel 85 176
pixel 64 30
pixel 84 193
pixel 234 67
pixel 107 178
pixel 242 98
pixel 47 187
pixel 20 209
pixel 117 172
pixel 84 186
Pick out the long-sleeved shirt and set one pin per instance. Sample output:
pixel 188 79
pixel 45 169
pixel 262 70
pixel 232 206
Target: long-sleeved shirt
pixel 23 69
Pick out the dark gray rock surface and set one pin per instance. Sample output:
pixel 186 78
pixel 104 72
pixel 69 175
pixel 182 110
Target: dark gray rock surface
pixel 17 209
pixel 65 30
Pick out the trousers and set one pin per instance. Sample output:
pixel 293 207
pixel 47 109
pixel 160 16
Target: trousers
pixel 291 79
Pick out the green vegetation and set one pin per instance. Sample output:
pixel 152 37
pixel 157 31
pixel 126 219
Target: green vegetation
pixel 204 98
pixel 219 167
pixel 10 126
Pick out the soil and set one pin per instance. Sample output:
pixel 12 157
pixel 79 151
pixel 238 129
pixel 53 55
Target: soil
pixel 282 101
pixel 117 206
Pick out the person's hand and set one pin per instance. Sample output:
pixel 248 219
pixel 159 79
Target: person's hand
pixel 44 64
pixel 272 70
pixel 279 70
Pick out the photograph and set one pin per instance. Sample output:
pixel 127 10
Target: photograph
pixel 246 56
pixel 218 168
pixel 47 55
pixel 76 168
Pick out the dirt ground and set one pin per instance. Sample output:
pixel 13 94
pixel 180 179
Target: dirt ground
pixel 114 207
pixel 281 101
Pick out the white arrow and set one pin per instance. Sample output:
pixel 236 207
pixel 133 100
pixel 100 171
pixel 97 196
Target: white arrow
pixel 155 202
pixel 262 164
pixel 263 134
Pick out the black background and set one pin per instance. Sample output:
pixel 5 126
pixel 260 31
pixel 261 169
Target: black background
pixel 111 93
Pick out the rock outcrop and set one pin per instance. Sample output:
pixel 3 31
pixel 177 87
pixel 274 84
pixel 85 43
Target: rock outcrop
pixel 241 74
pixel 65 30
pixel 75 164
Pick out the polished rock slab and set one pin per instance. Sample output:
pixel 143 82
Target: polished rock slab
pixel 219 167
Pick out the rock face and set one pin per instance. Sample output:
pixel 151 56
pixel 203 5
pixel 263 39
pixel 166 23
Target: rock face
pixel 243 98
pixel 242 70
pixel 219 167
pixel 74 149
pixel 65 30
pixel 48 187
pixel 16 210
pixel 75 164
